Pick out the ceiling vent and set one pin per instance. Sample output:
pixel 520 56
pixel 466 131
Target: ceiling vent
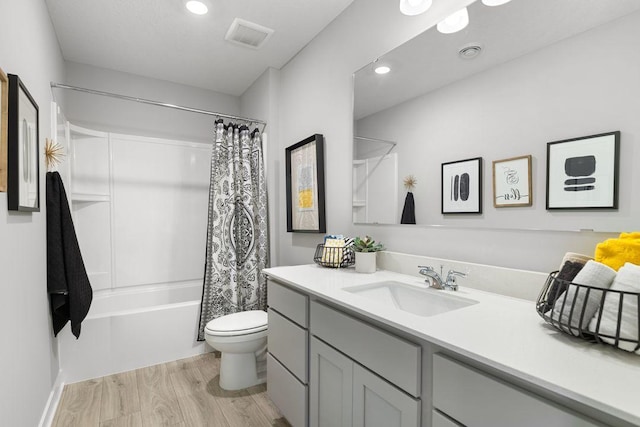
pixel 248 34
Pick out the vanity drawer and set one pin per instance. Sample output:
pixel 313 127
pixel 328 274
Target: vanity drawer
pixel 439 420
pixel 476 399
pixel 288 344
pixel 288 302
pixel 393 358
pixel 287 393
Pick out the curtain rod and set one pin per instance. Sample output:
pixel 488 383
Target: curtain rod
pixel 160 104
pixel 376 140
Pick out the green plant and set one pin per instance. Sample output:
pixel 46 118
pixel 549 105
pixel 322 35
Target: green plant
pixel 366 245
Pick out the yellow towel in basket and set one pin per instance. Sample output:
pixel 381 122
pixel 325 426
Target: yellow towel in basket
pixel 333 251
pixel 616 252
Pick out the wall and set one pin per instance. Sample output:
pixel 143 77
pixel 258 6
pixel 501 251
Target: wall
pixel 260 101
pixel 316 96
pixel 115 115
pixel 513 109
pixel 28 361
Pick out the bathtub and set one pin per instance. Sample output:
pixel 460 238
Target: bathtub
pixel 132 328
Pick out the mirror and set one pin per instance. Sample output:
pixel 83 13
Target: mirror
pixel 519 76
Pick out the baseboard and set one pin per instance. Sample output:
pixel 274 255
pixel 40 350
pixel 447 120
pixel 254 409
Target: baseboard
pixel 52 404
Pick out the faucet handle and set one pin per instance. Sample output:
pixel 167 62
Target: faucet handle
pixel 451 275
pixel 425 267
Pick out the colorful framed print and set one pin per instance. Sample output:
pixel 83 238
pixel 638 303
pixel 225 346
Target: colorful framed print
pixel 305 186
pixel 462 186
pixel 582 173
pixel 512 182
pixel 23 192
pixel 4 112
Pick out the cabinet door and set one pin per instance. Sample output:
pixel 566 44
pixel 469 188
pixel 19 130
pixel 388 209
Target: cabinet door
pixel 330 392
pixel 376 403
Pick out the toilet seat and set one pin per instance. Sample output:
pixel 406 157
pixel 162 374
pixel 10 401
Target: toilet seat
pixel 238 324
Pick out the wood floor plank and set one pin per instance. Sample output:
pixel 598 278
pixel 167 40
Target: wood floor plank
pixel 130 420
pixel 184 393
pixel 119 396
pixel 158 402
pixel 80 405
pixel 238 406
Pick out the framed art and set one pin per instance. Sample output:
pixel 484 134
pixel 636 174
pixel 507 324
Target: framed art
pixel 582 173
pixel 512 182
pixel 4 111
pixel 23 186
pixel 305 186
pixel 462 186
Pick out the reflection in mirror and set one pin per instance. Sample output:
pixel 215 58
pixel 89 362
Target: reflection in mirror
pixel 518 76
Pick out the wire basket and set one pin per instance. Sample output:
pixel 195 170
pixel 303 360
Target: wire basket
pixel 601 315
pixel 334 257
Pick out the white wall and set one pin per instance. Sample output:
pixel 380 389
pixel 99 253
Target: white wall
pixel 260 102
pixel 316 96
pixel 28 360
pixel 584 85
pixel 115 115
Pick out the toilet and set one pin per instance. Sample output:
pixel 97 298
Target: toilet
pixel 242 340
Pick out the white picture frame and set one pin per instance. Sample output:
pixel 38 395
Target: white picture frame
pixel 512 186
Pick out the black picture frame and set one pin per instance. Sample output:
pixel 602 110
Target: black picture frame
pixel 583 173
pixel 305 176
pixel 23 184
pixel 461 187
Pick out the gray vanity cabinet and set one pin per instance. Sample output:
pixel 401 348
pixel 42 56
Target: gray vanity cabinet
pixel 287 360
pixel 349 359
pixel 331 378
pixel 473 398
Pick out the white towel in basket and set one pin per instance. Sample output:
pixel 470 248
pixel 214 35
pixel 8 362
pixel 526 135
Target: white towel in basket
pixel 628 280
pixel 593 274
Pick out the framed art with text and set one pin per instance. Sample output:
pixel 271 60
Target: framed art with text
pixel 582 173
pixel 23 185
pixel 305 186
pixel 512 182
pixel 462 186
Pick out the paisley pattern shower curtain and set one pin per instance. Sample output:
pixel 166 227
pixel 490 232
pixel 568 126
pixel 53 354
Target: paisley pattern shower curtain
pixel 237 231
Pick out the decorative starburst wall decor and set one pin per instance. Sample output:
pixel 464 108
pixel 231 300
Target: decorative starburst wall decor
pixel 53 153
pixel 410 182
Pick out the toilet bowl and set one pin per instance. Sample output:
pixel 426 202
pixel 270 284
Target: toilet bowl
pixel 242 340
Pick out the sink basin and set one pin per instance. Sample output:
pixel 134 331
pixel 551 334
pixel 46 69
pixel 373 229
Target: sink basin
pixel 423 302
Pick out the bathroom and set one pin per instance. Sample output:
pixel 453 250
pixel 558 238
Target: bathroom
pixel 310 92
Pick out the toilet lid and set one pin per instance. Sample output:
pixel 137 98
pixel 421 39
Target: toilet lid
pixel 242 323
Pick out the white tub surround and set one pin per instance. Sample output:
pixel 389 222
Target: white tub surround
pixel 500 334
pixel 133 328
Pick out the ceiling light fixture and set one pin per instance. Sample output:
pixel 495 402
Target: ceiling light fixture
pixel 382 69
pixel 414 7
pixel 197 7
pixel 494 2
pixel 454 22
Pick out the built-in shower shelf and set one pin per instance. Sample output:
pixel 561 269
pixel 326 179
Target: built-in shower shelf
pixel 89 197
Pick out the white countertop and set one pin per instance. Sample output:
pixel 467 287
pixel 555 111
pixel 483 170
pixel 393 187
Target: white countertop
pixel 502 332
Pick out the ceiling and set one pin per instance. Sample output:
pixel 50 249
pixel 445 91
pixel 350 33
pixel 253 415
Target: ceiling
pixel 162 40
pixel 431 61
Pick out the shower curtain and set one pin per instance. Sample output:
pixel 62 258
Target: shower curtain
pixel 237 232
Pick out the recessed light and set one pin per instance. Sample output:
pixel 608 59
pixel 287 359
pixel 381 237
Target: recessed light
pixel 197 7
pixel 494 2
pixel 414 7
pixel 382 69
pixel 454 22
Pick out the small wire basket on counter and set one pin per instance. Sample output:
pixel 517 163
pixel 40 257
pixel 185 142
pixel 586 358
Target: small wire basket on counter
pixel 334 257
pixel 595 314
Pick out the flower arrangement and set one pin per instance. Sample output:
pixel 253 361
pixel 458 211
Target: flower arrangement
pixel 367 245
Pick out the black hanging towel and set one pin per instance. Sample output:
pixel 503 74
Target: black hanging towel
pixel 70 292
pixel 409 210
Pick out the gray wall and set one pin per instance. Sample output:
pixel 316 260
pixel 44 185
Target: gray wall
pixel 584 85
pixel 316 96
pixel 260 102
pixel 109 114
pixel 28 360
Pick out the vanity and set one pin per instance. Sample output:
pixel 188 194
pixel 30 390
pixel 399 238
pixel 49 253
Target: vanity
pixel 349 349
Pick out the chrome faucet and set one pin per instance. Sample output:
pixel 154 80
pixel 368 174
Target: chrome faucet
pixel 436 281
